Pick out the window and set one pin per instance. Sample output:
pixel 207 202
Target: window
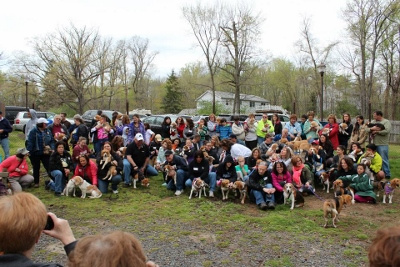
pixel 263 103
pixel 252 104
pixel 227 102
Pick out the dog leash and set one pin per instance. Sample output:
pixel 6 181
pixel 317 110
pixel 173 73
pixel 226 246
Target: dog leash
pixel 320 198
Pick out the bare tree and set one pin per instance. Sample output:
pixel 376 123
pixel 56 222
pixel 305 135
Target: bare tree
pixel 367 22
pixel 240 33
pixel 315 56
pixel 205 22
pixel 64 61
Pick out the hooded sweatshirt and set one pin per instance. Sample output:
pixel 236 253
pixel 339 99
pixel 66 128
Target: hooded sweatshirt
pixel 31 123
pixel 227 173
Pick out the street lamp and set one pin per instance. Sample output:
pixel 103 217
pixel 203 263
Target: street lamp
pixel 26 91
pixel 321 70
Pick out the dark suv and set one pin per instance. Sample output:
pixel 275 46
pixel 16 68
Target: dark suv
pixel 89 115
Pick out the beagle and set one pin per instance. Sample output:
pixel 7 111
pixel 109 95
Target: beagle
pixel 87 188
pixel 107 158
pixel 290 193
pixel 340 189
pixel 333 207
pixel 145 182
pixel 69 188
pixel 325 181
pixel 389 189
pixel 242 187
pixel 225 187
pixel 170 172
pixel 198 185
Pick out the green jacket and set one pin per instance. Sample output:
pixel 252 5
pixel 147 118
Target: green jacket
pixel 382 137
pixel 260 126
pixel 361 183
pixel 308 132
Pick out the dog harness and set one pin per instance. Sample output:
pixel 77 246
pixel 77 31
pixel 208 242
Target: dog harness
pixel 388 189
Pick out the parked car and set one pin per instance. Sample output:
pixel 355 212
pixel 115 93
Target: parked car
pixel 12 111
pixel 89 115
pixel 155 121
pixel 196 118
pixel 22 118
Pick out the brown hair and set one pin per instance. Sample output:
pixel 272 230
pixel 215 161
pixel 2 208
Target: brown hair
pixel 125 119
pixel 295 159
pixel 115 249
pixel 168 142
pixel 332 116
pixel 385 248
pixel 117 142
pixel 22 220
pixel 293 116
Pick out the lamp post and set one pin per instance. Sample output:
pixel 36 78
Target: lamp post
pixel 321 70
pixel 26 92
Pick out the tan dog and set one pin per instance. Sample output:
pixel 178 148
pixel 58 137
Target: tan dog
pixel 107 158
pixel 122 151
pixel 389 189
pixel 59 136
pixel 338 189
pixel 170 172
pixel 314 126
pixel 145 182
pixel 198 186
pixel 87 188
pixel 342 128
pixel 225 187
pixel 70 188
pixel 299 146
pixel 290 193
pixel 325 181
pixel 242 187
pixel 348 190
pixel 333 207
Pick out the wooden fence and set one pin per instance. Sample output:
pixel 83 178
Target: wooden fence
pixel 395 133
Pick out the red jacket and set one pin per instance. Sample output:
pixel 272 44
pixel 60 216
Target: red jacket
pixel 11 163
pixel 89 171
pixel 333 134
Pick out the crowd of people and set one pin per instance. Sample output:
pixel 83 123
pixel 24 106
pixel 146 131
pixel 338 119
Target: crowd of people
pixel 262 153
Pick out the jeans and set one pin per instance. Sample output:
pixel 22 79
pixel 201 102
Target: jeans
pixel 261 196
pixel 260 140
pixel 98 145
pixel 181 177
pixel 383 151
pixel 103 184
pixel 59 181
pixel 211 180
pixel 5 144
pixel 150 171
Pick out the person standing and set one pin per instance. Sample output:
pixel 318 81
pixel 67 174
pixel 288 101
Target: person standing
pixel 59 131
pixel 264 126
pixel 31 123
pixel 344 136
pixel 5 129
pixel 359 134
pixel 381 139
pixel 40 145
pixel 64 120
pixel 311 129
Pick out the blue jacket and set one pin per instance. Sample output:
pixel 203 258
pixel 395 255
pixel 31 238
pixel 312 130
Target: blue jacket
pixel 38 139
pixel 6 126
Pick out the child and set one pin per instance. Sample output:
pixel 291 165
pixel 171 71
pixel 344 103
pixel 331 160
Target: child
pixel 202 131
pixel 149 134
pixel 242 170
pixel 224 129
pixel 362 185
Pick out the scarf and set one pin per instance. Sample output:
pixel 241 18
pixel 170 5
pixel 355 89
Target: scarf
pixel 297 174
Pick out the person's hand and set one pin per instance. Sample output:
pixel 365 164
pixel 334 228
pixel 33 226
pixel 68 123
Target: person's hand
pixel 269 190
pixel 67 172
pixel 114 162
pixel 17 170
pixel 142 169
pixel 61 230
pixel 307 184
pixel 151 264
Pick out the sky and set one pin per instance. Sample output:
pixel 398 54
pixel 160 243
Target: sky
pixel 163 24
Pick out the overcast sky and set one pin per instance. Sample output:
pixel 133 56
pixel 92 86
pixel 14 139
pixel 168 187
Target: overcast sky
pixel 163 24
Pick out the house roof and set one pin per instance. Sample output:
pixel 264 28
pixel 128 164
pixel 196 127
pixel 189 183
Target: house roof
pixel 228 95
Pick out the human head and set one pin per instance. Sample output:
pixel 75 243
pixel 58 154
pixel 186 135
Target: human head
pixel 211 117
pixel 355 145
pixel 22 152
pixel 114 249
pixel 265 117
pixel 215 141
pixel 346 117
pixel 233 138
pixel 83 160
pixel 236 119
pixel 179 120
pixel 378 115
pixel 361 168
pixel 332 118
pixel 23 218
pixel 275 117
pixel 256 153
pixel 262 168
pixel 166 143
pixel 296 160
pixel 279 167
pixel 167 120
pixel 222 121
pixel 189 123
pixel 78 118
pixel 268 139
pixel 125 119
pixel 341 150
pixel 63 116
pixel 226 144
pixel 139 139
pixel 107 146
pixel 117 142
pixel 82 140
pixel 42 123
pixel 385 248
pixel 146 126
pixel 371 148
pixel 360 119
pixel 241 160
pixel 346 163
pixel 136 118
pixel 293 118
pixel 310 115
pixel 199 156
pixel 169 155
pixel 60 146
pixel 303 118
pixel 196 138
pixel 228 162
pixel 57 119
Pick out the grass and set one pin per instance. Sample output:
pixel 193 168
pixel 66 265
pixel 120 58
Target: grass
pixel 155 214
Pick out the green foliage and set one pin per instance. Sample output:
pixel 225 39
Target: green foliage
pixel 345 106
pixel 172 102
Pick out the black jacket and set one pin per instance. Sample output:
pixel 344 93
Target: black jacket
pixel 224 173
pixel 198 169
pixel 257 181
pixel 6 126
pixel 55 162
pixel 101 173
pixel 179 162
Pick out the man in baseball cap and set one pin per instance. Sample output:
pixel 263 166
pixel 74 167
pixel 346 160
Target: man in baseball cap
pixel 136 160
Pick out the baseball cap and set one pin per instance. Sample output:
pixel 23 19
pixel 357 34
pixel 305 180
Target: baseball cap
pixel 168 152
pixel 22 151
pixel 315 142
pixel 139 136
pixel 158 137
pixel 42 120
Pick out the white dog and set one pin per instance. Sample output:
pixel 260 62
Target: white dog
pixel 87 188
pixel 69 188
pixel 198 186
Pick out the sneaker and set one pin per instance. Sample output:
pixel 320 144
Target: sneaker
pixel 271 205
pixel 178 192
pixel 115 191
pixel 57 194
pixel 211 194
pixel 164 184
pixel 36 185
pixel 262 206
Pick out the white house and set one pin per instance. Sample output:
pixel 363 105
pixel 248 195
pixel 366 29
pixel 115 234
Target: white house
pixel 249 103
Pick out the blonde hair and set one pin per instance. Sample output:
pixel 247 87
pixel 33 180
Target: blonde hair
pixel 168 142
pixel 332 116
pixel 23 218
pixel 115 249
